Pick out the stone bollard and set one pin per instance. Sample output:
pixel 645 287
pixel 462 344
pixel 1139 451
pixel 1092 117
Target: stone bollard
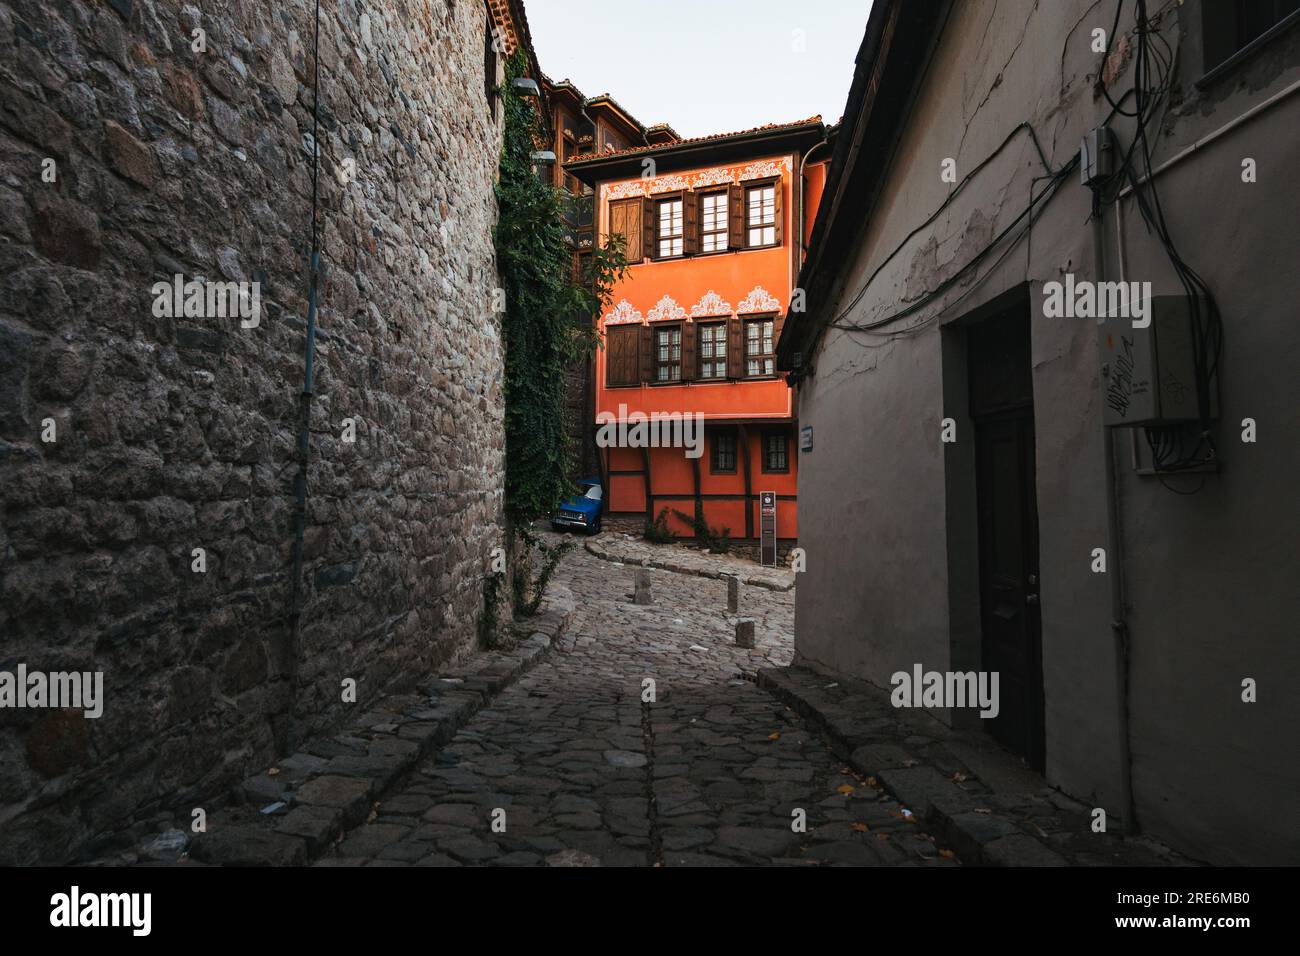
pixel 642 595
pixel 745 633
pixel 733 594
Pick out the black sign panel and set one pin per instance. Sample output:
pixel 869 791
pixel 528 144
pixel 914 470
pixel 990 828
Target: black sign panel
pixel 767 528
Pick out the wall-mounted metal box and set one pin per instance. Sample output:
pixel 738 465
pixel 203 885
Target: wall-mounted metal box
pixel 1149 373
pixel 1097 155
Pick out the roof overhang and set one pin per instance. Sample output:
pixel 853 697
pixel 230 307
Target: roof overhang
pixel 672 157
pixel 896 48
pixel 606 103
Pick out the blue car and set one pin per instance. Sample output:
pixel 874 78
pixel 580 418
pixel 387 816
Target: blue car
pixel 581 510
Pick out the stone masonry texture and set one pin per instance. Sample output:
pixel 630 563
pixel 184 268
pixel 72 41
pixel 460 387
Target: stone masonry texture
pixel 173 434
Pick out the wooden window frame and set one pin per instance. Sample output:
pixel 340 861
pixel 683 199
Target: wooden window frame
pixel 717 433
pixel 1223 46
pixel 719 322
pixel 724 232
pixel 784 435
pixel 655 364
pixel 655 202
pixel 745 321
pixel 777 210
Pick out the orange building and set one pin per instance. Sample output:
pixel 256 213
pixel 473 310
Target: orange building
pixel 716 229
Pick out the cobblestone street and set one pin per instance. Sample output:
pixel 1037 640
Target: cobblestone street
pixel 715 771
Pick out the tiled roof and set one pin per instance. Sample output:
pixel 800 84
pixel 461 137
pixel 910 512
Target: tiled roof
pixel 604 98
pixel 664 128
pixel 565 84
pixel 768 127
pixel 601 99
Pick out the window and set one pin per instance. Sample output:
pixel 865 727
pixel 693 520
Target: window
pixel 723 460
pixel 582 268
pixel 776 456
pixel 760 215
pixel 713 349
pixel 760 353
pixel 668 354
pixel 713 222
pixel 622 360
pixel 671 233
pixel 1230 26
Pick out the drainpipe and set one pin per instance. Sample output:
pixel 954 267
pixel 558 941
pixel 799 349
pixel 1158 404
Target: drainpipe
pixel 308 391
pixel 803 238
pixel 1115 542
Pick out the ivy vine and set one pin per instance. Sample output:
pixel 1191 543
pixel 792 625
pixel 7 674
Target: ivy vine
pixel 548 323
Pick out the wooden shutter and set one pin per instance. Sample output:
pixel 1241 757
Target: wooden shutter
pixel 735 217
pixel 650 228
pixel 778 188
pixel 688 351
pixel 635 236
pixel 621 367
pixel 625 220
pixel 735 348
pixel 647 354
pixel 690 223
pixel 618 219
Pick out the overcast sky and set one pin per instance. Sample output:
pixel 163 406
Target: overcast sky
pixel 705 66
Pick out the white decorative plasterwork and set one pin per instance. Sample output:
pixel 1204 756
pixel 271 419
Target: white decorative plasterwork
pixel 666 308
pixel 759 300
pixel 623 314
pixel 765 169
pixel 632 187
pixel 711 304
pixel 713 177
pixel 666 184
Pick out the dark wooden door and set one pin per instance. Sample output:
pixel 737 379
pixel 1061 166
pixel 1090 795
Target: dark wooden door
pixel 1003 411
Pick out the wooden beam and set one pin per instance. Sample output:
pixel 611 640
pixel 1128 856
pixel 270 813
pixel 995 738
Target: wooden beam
pixel 743 441
pixel 649 494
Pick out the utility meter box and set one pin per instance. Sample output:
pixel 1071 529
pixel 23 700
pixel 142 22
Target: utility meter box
pixel 1148 373
pixel 1097 153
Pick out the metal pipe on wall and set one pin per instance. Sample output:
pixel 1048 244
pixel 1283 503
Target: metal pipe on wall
pixel 1115 543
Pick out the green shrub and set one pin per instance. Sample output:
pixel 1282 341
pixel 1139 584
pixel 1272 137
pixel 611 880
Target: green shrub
pixel 657 531
pixel 719 542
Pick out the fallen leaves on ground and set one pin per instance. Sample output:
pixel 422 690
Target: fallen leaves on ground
pixel 774 736
pixel 845 789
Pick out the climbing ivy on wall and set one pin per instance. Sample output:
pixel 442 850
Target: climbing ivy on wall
pixel 548 321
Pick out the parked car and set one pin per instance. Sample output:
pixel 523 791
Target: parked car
pixel 582 510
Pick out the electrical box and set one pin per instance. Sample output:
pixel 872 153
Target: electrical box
pixel 1097 155
pixel 1148 373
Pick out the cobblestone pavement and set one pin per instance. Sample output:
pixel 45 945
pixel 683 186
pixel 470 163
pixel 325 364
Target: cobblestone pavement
pixel 684 560
pixel 570 767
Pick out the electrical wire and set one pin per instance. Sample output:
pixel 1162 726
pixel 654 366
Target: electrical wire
pixel 1031 212
pixel 1167 444
pixel 1153 71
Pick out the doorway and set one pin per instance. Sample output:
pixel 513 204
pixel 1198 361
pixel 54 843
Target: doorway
pixel 1002 411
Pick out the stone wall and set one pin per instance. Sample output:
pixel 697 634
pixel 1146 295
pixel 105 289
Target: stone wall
pixel 177 434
